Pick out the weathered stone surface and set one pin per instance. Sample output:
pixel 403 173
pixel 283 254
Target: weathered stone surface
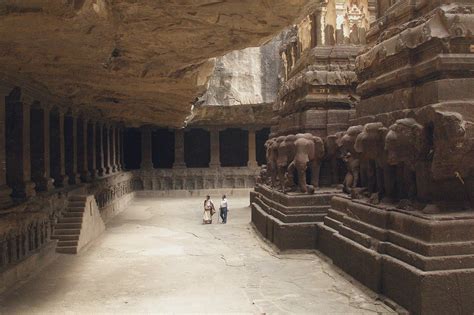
pixel 137 61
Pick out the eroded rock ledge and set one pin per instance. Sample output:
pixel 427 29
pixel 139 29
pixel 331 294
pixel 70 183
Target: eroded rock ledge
pixel 139 61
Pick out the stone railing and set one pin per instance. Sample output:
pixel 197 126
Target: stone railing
pixel 109 189
pixel 198 178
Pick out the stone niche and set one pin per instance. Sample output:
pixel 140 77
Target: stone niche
pixel 406 230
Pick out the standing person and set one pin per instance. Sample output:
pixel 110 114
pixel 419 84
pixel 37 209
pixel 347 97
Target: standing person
pixel 209 210
pixel 223 209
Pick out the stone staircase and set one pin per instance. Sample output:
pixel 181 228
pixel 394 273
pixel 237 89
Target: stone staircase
pixel 68 229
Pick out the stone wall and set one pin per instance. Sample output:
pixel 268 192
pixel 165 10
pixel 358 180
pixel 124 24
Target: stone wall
pixel 197 178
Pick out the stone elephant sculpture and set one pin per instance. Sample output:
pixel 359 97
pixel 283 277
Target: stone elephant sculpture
pixel 407 143
pixel 309 151
pixel 333 155
pixel 370 144
pixel 351 157
pixel 272 155
pixel 286 152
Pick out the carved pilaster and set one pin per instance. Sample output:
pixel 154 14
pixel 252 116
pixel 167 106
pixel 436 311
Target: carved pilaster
pixel 215 153
pixel 252 161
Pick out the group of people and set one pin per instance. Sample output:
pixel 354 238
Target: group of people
pixel 210 210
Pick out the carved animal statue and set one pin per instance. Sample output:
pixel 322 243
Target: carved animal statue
pixel 282 160
pixel 407 142
pixel 346 145
pixel 309 151
pixel 271 154
pixel 370 144
pixel 333 155
pixel 353 168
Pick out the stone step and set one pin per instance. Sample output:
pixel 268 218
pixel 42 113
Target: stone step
pixel 67 232
pixel 78 204
pixel 73 215
pixel 61 226
pixel 81 198
pixel 65 237
pixel 70 219
pixel 66 249
pixel 63 243
pixel 75 209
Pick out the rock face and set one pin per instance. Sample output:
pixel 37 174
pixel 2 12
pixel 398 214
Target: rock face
pixel 139 61
pixel 248 76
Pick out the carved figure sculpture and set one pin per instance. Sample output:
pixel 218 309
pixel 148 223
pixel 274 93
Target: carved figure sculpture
pixel 406 142
pixel 370 144
pixel 309 150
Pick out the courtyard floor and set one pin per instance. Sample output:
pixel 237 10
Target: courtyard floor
pixel 157 257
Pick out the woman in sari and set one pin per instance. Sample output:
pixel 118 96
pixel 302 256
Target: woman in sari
pixel 209 211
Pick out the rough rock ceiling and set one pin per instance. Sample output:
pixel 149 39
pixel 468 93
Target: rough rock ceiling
pixel 141 61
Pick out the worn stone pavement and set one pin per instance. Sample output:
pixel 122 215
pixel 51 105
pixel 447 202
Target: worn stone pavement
pixel 157 257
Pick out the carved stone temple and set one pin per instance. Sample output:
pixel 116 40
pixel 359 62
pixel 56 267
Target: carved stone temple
pixel 340 131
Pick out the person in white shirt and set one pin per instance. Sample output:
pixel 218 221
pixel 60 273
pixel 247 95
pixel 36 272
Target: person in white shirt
pixel 224 208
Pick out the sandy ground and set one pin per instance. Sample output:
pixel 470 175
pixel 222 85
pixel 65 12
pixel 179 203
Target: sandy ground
pixel 157 257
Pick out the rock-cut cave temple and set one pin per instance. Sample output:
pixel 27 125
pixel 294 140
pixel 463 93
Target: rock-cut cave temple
pixel 341 132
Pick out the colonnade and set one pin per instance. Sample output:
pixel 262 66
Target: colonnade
pixel 43 147
pixel 179 161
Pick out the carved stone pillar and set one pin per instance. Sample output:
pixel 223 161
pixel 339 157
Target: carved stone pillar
pixel 118 145
pixel 252 161
pixel 100 156
pixel 57 149
pixel 5 191
pixel 179 149
pixel 40 148
pixel 83 161
pixel 18 147
pixel 70 137
pixel 215 154
pixel 147 162
pixel 92 149
pixel 106 137
pixel 122 147
pixel 113 149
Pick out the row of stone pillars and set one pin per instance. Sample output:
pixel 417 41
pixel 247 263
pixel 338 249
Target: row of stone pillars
pixel 147 162
pixel 43 147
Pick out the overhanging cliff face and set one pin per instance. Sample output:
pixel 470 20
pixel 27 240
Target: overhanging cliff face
pixel 137 61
